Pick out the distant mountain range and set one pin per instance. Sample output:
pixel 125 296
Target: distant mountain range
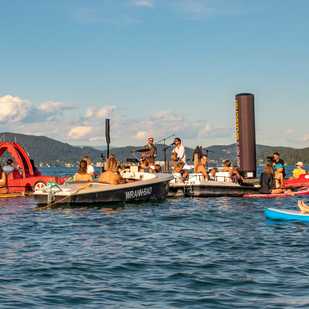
pixel 54 153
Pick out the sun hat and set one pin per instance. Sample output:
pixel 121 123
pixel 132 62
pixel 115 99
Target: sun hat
pixel 299 163
pixel 278 166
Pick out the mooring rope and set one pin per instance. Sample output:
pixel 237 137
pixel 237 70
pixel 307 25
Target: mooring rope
pixel 36 209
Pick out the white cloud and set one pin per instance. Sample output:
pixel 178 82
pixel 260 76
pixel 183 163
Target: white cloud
pixel 141 135
pixel 14 109
pixel 306 137
pixel 104 111
pixel 50 107
pixel 207 129
pixel 290 131
pixel 121 12
pixel 143 3
pixel 78 132
pixel 168 115
pixel 98 138
pixel 21 116
pixel 90 111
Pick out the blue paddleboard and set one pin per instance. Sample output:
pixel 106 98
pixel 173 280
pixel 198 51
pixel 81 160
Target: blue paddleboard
pixel 273 213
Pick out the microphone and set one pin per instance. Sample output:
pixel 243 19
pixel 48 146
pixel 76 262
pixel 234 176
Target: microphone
pixel 132 150
pixel 173 144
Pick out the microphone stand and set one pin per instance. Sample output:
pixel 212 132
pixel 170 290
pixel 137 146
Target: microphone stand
pixel 165 148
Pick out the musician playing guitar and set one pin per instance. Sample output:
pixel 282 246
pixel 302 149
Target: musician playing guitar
pixel 174 156
pixel 178 154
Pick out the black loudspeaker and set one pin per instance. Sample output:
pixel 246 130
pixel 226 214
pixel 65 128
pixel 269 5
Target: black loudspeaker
pixel 107 131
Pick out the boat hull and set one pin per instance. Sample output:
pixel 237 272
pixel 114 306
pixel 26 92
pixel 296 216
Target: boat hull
pixel 102 193
pixel 278 214
pixel 210 189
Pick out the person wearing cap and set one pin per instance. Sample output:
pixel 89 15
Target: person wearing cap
pixel 278 180
pixel 298 171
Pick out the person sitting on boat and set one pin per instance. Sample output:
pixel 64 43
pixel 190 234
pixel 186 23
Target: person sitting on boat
pixel 151 161
pixel 178 154
pixel 179 169
pixel 158 168
pixel 119 169
pixel 227 168
pixel 111 175
pixel 82 174
pixel 144 167
pixel 298 171
pixel 200 168
pixel 151 150
pixel 267 180
pixel 278 180
pixel 270 183
pixel 34 168
pixel 10 166
pixel 90 169
pixel 3 182
pixel 236 176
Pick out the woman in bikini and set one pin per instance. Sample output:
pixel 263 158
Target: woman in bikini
pixel 278 180
pixel 82 174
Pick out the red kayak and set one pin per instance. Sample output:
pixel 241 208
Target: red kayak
pixel 302 181
pixel 301 191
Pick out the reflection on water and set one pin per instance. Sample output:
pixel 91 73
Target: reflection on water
pixel 179 253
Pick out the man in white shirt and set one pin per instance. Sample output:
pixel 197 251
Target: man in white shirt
pixel 178 154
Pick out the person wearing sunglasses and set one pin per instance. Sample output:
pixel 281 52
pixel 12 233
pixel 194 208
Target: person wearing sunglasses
pixel 151 150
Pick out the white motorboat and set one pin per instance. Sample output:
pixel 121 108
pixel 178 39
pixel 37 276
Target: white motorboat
pixel 197 185
pixel 146 187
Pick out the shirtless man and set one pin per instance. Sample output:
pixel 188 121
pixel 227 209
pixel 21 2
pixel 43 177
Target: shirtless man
pixel 200 168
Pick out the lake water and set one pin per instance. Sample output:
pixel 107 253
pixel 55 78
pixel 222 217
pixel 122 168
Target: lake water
pixel 180 253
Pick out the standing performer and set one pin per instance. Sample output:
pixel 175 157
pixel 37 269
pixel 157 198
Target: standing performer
pixel 151 150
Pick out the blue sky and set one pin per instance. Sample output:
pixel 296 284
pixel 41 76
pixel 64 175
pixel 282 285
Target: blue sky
pixel 155 68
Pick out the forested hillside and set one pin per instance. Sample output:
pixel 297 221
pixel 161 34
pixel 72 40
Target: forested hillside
pixel 54 153
pixel 48 151
pixel 290 156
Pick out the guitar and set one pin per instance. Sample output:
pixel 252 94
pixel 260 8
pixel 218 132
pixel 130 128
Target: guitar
pixel 174 156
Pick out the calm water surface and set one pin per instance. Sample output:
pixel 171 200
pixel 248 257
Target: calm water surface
pixel 180 253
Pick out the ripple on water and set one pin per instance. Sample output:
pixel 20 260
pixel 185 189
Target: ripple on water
pixel 180 253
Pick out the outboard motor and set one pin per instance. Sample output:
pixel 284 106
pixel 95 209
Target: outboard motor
pixel 245 134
